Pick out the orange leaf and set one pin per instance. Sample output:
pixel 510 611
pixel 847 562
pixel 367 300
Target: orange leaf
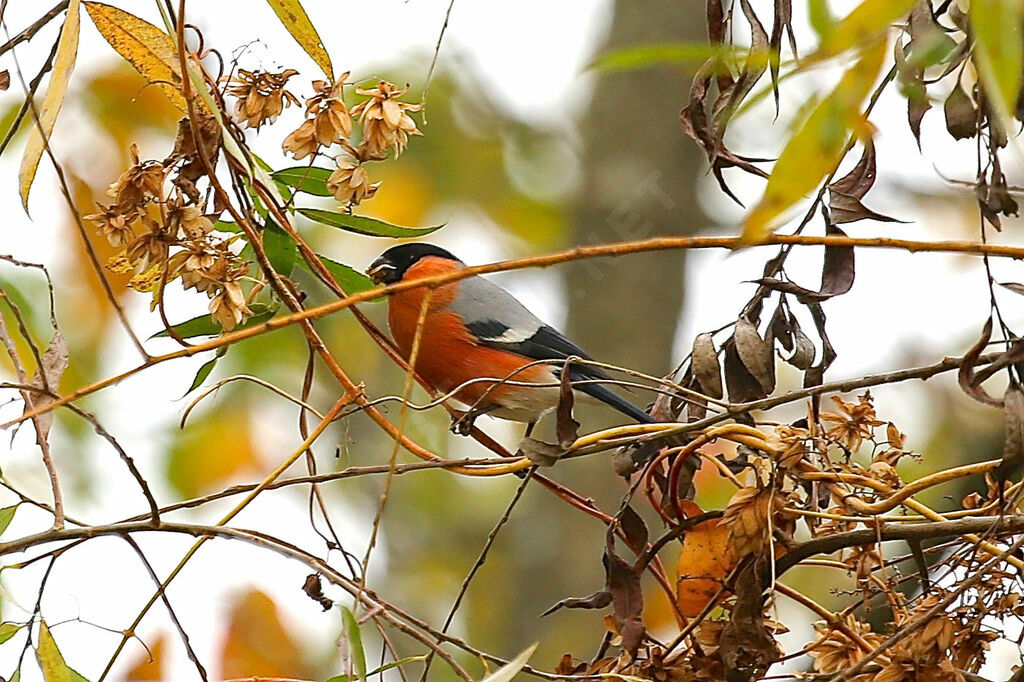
pixel 704 562
pixel 257 645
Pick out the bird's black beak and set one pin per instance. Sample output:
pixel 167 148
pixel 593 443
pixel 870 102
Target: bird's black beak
pixel 381 271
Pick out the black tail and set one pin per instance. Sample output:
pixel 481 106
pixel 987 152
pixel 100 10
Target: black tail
pixel 606 396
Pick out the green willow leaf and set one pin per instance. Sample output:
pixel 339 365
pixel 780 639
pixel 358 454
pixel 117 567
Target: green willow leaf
pixel 355 644
pixel 350 279
pixel 377 671
pixel 6 516
pixel 281 250
pixel 308 179
pixel 205 326
pixel 294 17
pixel 864 24
pixel 817 146
pixel 364 225
pixel 998 50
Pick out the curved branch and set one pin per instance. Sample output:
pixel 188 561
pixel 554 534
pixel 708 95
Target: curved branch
pixel 888 532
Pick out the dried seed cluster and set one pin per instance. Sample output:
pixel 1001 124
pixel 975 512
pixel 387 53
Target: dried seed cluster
pixel 385 127
pixel 165 234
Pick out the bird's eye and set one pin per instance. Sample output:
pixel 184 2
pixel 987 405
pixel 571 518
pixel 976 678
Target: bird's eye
pixel 381 273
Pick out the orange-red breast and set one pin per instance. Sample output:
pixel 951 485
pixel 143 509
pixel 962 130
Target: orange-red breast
pixel 474 329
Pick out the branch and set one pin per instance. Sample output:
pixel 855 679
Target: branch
pixel 898 531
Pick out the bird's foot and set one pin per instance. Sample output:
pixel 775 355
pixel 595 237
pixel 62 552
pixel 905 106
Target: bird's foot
pixel 462 424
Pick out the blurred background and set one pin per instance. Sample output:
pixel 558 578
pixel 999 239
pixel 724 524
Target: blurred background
pixel 525 150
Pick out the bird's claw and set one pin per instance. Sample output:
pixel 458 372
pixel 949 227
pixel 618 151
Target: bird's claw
pixel 462 424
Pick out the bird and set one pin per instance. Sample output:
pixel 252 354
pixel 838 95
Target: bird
pixel 473 329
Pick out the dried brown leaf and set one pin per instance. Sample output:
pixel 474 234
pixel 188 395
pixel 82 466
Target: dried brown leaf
pixel 705 365
pixel 755 354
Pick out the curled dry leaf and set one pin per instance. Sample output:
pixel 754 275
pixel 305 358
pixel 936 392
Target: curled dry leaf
pixel 705 365
pixel 54 362
pixel 567 429
pixel 966 378
pixel 1013 445
pixel 961 114
pixel 845 194
pixel 755 354
pixel 315 591
pixel 540 453
pixel 634 529
pixel 627 599
pixel 741 384
pixel 747 648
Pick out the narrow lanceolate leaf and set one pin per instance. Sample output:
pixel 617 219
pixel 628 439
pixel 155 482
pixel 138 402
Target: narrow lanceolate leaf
pixel 999 50
pixel 867 21
pixel 512 668
pixel 364 225
pixel 817 147
pixel 308 179
pixel 148 49
pixel 295 19
pixel 50 660
pixel 205 326
pixel 350 279
pixel 355 644
pixel 39 135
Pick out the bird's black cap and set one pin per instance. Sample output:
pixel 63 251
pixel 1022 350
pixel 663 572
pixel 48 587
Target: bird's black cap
pixel 391 265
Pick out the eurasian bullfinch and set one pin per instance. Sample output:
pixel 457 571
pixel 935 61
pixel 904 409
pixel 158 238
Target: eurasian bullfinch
pixel 474 329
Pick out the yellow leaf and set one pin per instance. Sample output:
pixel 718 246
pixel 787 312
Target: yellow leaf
pixel 143 45
pixel 816 148
pixel 295 19
pixel 998 50
pixel 50 660
pixel 39 135
pixel 864 24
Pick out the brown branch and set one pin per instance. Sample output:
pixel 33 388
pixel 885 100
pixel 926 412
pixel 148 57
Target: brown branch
pixel 29 32
pixel 579 253
pixel 898 531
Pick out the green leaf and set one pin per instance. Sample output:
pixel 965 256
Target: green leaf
pixel 295 19
pixel 512 668
pixel 350 279
pixel 8 630
pixel 205 326
pixel 39 135
pixel 364 225
pixel 205 370
pixel 227 226
pixel 377 671
pixel 6 516
pixel 50 660
pixel 308 179
pixel 998 50
pixel 642 56
pixel 280 248
pixel 865 24
pixel 355 643
pixel 817 147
